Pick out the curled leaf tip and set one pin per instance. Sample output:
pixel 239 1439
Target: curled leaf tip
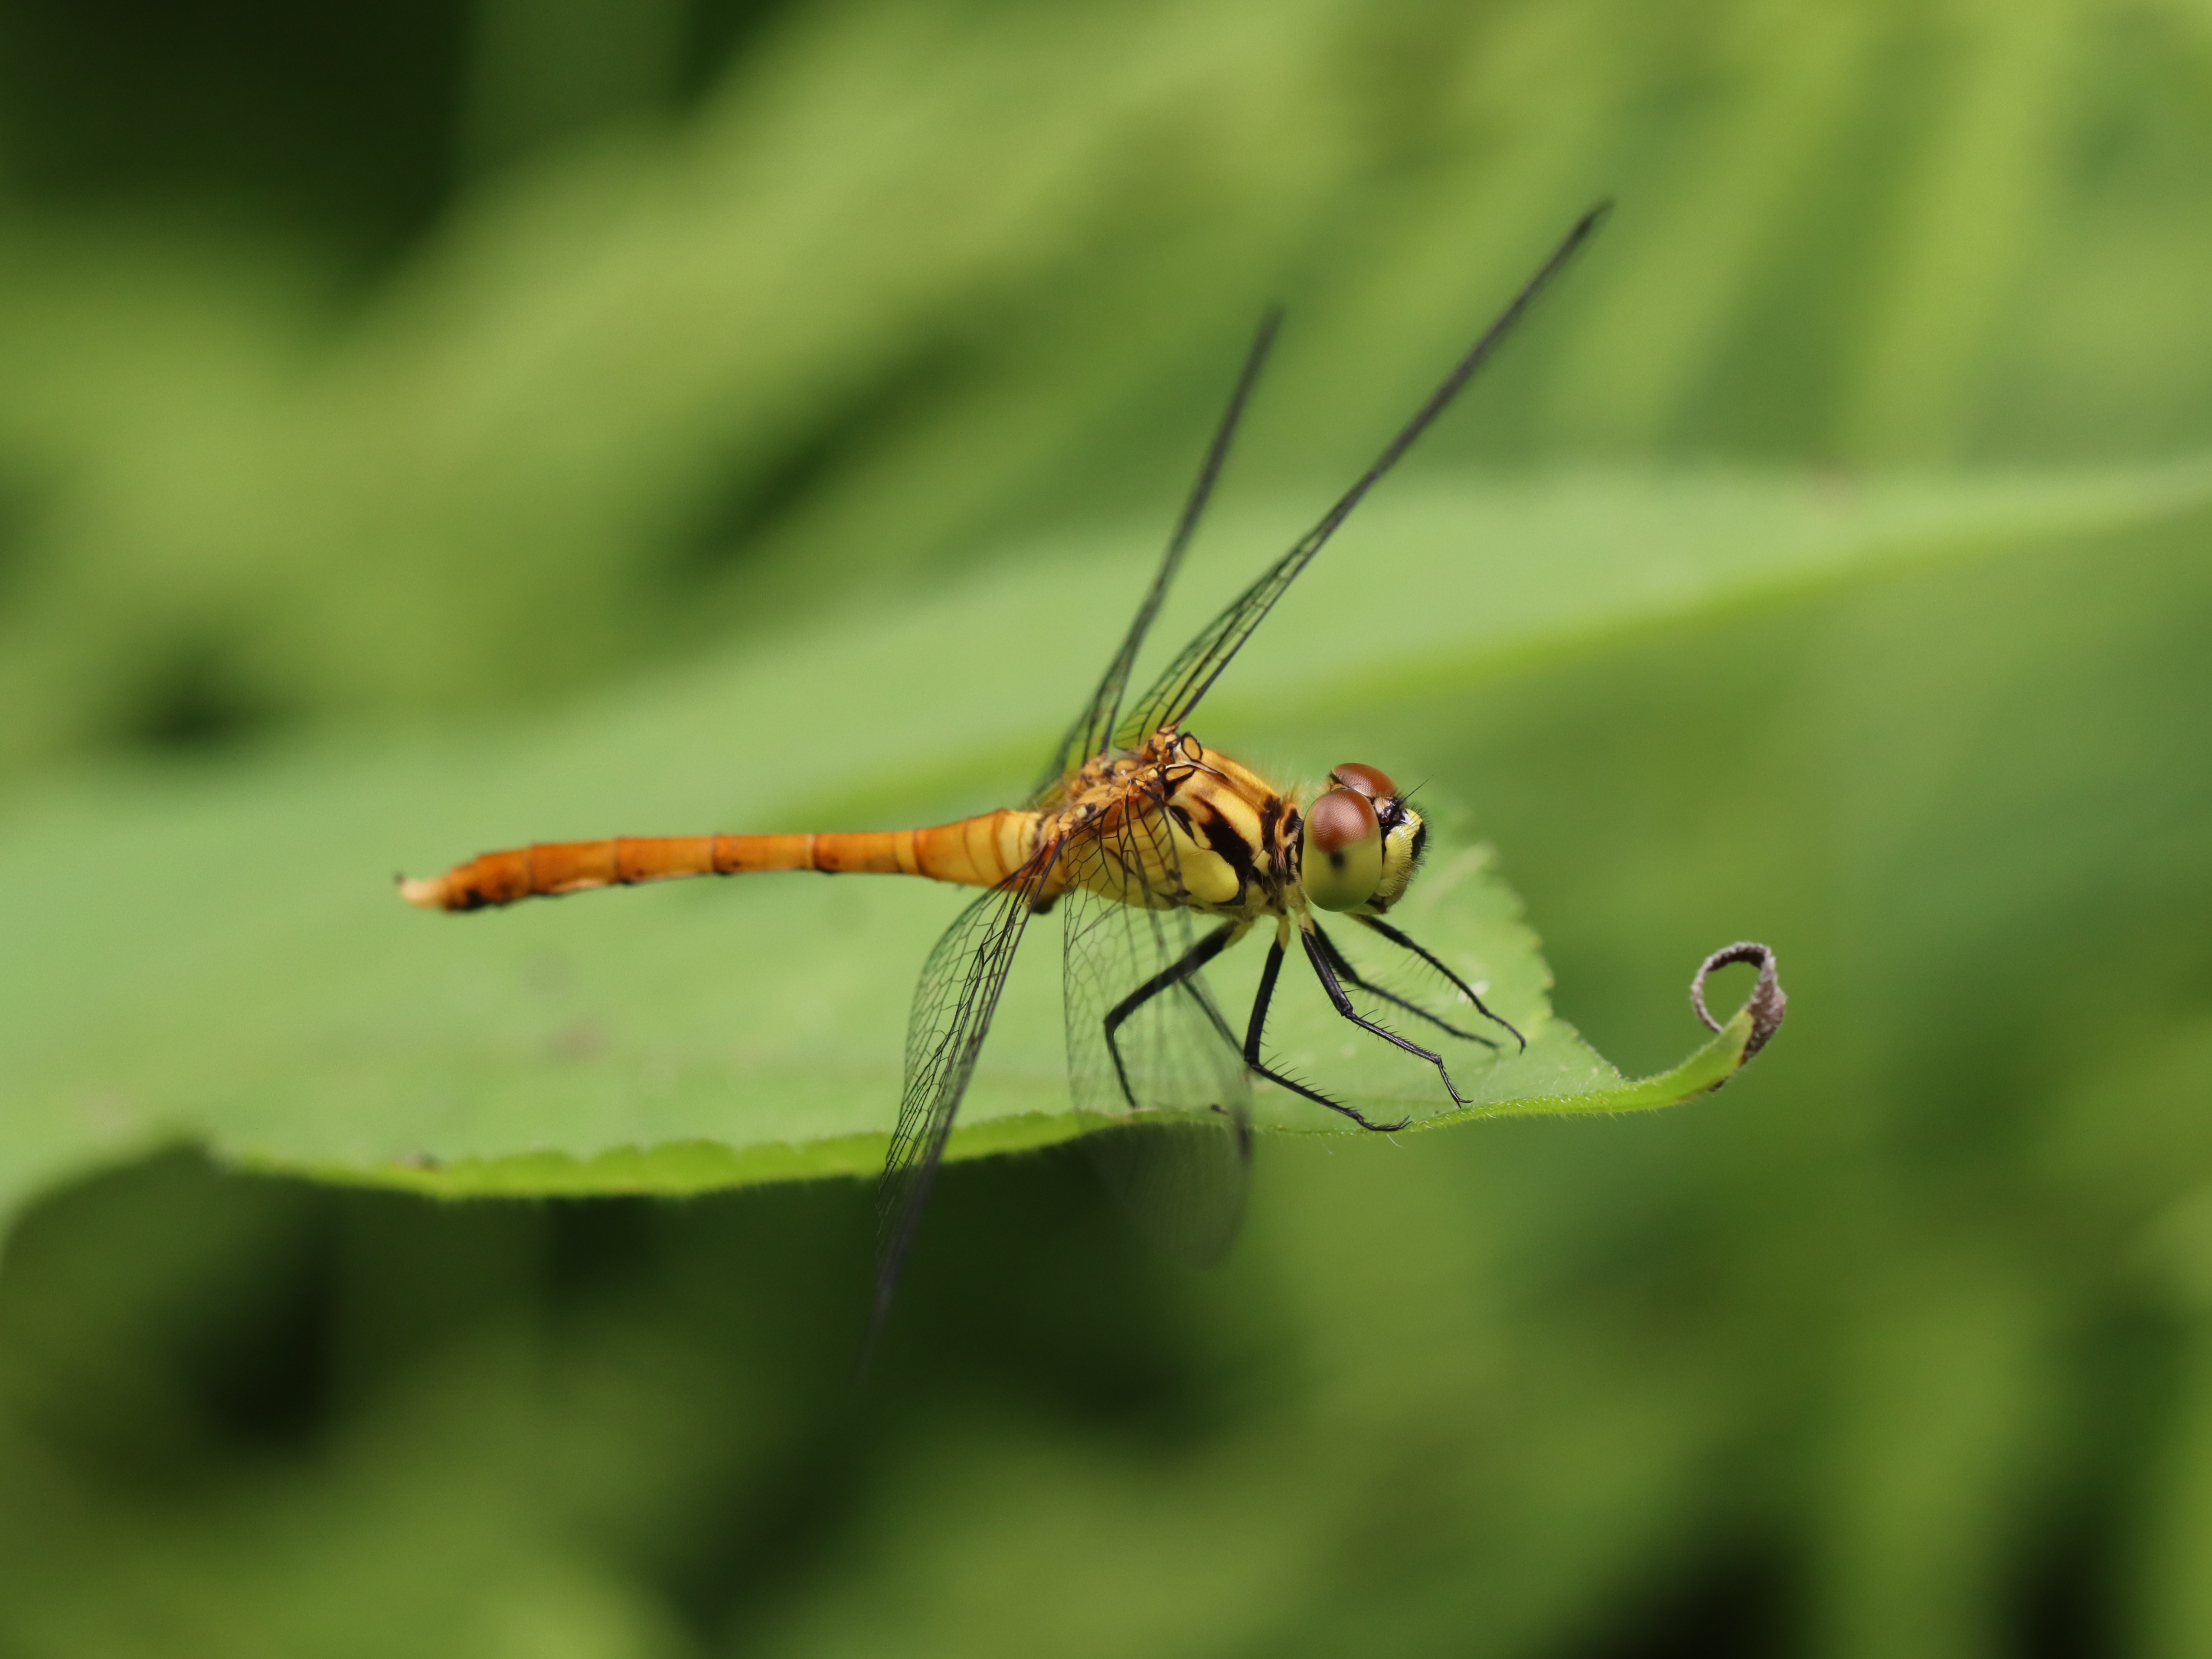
pixel 1768 1001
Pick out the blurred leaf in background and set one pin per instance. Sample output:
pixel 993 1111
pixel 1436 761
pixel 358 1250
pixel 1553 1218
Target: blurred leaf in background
pixel 405 403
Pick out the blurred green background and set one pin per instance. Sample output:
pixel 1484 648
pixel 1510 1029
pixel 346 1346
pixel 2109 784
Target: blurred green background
pixel 421 371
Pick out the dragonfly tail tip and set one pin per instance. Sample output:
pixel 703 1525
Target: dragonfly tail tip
pixel 429 895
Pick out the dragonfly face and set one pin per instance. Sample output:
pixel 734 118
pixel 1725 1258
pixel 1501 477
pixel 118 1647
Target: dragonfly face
pixel 1135 831
pixel 1361 843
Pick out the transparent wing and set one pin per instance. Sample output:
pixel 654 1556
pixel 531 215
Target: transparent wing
pixel 1094 727
pixel 952 1007
pixel 1176 692
pixel 1153 1068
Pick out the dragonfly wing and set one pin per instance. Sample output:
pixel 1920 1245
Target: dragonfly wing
pixel 953 1004
pixel 1094 727
pixel 1153 1068
pixel 1173 696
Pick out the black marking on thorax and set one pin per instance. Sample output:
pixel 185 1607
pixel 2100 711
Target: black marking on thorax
pixel 1273 837
pixel 1253 863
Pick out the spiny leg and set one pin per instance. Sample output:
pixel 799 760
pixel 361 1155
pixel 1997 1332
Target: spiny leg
pixel 1342 999
pixel 1404 943
pixel 1175 974
pixel 1258 1029
pixel 1350 974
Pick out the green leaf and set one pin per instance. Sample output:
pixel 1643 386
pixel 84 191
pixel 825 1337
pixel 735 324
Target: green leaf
pixel 216 956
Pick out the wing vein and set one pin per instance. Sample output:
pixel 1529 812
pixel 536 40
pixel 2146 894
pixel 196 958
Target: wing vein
pixel 953 1003
pixel 1094 728
pixel 1191 676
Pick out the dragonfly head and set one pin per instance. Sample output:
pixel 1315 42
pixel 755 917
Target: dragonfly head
pixel 1361 843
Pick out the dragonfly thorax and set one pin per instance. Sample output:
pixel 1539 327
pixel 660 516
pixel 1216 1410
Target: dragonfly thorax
pixel 1171 825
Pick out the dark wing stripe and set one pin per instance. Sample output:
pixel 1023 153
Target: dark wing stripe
pixel 1094 727
pixel 953 1004
pixel 1189 678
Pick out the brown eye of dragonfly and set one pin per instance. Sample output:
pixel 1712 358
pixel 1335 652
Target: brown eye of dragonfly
pixel 1367 780
pixel 1341 864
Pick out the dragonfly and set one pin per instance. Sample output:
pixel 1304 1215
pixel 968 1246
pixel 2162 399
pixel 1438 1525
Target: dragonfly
pixel 1161 853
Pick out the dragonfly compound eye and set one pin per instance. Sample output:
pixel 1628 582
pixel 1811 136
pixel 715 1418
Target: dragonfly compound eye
pixel 1341 864
pixel 1367 780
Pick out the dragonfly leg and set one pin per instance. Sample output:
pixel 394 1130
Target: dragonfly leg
pixel 1342 999
pixel 1258 1029
pixel 1405 943
pixel 1174 975
pixel 1350 975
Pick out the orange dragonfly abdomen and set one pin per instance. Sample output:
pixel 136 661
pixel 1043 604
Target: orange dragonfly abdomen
pixel 977 852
